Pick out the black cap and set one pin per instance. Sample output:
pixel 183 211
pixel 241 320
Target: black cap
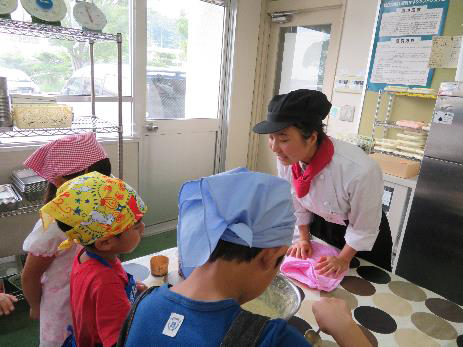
pixel 299 106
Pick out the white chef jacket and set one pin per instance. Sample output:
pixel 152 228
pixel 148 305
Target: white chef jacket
pixel 350 188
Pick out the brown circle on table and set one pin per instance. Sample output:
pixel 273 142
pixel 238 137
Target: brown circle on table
pixel 340 293
pixel 358 286
pixel 392 304
pixel 375 319
pixel 369 335
pixel 301 325
pixel 434 326
pixel 460 341
pixel 445 309
pixel 374 274
pixel 412 337
pixel 407 291
pixel 354 263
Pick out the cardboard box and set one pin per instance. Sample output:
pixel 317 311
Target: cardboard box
pixel 396 166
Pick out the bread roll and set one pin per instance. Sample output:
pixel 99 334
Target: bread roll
pixel 159 265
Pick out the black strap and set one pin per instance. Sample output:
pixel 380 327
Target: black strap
pixel 128 321
pixel 245 330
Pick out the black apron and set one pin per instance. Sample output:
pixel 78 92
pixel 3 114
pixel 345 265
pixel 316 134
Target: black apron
pixel 334 234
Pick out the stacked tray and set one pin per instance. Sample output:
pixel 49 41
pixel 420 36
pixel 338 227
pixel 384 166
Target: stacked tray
pixel 31 185
pixel 9 199
pixel 15 280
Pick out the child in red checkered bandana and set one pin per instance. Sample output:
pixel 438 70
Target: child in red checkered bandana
pixel 45 278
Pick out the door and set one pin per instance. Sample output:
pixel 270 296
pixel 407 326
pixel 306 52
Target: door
pixel 302 54
pixel 183 101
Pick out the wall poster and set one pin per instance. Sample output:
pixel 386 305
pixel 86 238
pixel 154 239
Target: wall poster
pixel 403 42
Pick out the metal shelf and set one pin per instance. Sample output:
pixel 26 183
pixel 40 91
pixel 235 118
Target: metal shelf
pixel 395 126
pixel 9 26
pixel 396 155
pixel 385 123
pixel 79 125
pixel 25 207
pixel 416 95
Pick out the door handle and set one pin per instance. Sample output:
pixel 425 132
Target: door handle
pixel 152 127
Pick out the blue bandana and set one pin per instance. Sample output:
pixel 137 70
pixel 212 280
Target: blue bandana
pixel 247 208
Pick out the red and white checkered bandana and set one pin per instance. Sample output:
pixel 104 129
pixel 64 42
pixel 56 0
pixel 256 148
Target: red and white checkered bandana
pixel 66 156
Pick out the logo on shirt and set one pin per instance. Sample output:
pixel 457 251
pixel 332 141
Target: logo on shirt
pixel 173 324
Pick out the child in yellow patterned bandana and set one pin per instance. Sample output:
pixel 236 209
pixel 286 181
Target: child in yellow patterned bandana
pixel 104 215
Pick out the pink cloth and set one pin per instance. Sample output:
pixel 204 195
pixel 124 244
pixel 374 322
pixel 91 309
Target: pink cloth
pixel 304 270
pixel 66 156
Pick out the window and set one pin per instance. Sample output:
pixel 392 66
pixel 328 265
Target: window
pixel 302 59
pixel 184 55
pixel 60 67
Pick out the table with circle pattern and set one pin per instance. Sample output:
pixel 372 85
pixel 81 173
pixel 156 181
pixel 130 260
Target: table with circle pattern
pixel 390 310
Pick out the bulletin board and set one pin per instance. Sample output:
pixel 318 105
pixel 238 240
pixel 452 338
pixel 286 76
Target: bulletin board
pixel 403 42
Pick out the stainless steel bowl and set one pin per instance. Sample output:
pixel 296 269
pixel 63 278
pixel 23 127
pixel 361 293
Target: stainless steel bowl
pixel 282 297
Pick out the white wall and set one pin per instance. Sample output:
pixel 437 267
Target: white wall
pixel 353 57
pixel 243 75
pixel 13 230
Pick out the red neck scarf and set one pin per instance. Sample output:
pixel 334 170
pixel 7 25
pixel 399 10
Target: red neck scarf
pixel 322 157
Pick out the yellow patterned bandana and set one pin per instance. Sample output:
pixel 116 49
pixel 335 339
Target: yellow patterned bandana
pixel 95 206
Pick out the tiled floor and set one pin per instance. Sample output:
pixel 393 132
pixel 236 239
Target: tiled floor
pixel 17 330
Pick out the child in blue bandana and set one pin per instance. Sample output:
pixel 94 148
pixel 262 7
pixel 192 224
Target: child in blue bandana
pixel 233 232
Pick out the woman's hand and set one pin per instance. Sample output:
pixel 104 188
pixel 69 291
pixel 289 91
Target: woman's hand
pixel 6 303
pixel 301 249
pixel 141 287
pixel 331 266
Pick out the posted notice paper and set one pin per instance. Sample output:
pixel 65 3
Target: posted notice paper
pixel 402 60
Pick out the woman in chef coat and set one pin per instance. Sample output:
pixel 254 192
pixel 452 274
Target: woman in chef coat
pixel 337 189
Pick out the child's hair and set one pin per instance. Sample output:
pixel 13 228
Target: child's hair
pixel 63 226
pixel 231 251
pixel 102 166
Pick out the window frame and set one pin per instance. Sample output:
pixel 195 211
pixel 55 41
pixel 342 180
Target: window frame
pixel 24 143
pixel 137 40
